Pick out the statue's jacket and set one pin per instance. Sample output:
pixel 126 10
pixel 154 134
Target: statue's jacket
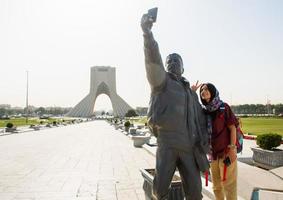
pixel 174 115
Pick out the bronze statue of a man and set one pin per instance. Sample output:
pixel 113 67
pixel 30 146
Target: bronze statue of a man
pixel 176 119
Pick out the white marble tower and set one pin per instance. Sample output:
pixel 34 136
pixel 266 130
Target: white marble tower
pixel 102 81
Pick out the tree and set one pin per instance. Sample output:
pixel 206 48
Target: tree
pixel 3 111
pixel 131 113
pixel 40 111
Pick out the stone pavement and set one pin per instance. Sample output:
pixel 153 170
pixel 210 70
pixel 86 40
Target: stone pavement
pixel 250 176
pixel 83 161
pixel 87 161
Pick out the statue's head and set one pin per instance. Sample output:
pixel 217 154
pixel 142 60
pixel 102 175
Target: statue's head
pixel 174 64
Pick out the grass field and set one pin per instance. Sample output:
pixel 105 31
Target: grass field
pixel 256 126
pixel 253 125
pixel 139 120
pixel 250 125
pixel 22 121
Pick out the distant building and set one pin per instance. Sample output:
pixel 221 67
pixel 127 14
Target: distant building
pixel 5 106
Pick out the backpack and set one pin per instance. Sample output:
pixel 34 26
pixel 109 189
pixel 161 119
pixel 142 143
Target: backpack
pixel 239 133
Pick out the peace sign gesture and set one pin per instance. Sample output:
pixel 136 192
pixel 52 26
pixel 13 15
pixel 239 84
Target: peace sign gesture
pixel 196 86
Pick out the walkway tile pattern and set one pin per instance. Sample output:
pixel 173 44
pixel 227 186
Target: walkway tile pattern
pixel 88 161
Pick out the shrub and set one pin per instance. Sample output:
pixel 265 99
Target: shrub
pixel 131 113
pixel 268 141
pixel 127 124
pixel 9 125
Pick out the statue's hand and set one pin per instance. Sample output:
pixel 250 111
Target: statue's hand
pixel 146 24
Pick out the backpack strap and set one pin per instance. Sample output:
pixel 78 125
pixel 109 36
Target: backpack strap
pixel 222 109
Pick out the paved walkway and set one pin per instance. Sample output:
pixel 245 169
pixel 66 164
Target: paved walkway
pixel 84 161
pixel 250 176
pixel 92 161
pixel 88 161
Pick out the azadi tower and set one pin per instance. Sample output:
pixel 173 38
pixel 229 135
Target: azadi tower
pixel 102 81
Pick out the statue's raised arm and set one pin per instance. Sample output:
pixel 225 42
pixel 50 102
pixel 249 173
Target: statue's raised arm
pixel 153 62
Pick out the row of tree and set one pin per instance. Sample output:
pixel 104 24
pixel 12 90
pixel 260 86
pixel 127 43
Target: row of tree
pixel 276 109
pixel 33 111
pixel 7 110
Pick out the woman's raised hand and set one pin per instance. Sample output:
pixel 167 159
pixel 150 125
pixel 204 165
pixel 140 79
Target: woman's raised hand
pixel 196 86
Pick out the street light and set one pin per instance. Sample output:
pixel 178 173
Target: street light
pixel 27 101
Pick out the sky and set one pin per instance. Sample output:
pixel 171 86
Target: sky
pixel 235 44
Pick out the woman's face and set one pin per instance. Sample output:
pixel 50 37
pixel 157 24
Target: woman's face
pixel 205 94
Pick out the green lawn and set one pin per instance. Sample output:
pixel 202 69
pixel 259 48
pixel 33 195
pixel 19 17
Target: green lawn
pixel 251 125
pixel 256 126
pixel 139 120
pixel 22 121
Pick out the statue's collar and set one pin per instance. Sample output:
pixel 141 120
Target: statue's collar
pixel 182 79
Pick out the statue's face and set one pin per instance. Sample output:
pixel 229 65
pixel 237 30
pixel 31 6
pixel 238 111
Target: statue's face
pixel 174 64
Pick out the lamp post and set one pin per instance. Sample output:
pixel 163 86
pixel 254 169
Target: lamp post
pixel 27 100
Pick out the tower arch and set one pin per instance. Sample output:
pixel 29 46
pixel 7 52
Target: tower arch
pixel 102 81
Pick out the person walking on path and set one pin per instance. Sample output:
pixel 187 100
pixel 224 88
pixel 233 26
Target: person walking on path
pixel 176 118
pixel 222 125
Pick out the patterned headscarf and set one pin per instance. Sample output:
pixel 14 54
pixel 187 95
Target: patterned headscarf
pixel 215 101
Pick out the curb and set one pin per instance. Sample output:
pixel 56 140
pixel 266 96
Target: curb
pixel 249 137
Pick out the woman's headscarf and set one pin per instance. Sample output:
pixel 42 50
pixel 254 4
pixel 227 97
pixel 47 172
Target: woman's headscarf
pixel 215 101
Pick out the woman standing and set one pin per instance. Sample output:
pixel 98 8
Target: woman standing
pixel 222 127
